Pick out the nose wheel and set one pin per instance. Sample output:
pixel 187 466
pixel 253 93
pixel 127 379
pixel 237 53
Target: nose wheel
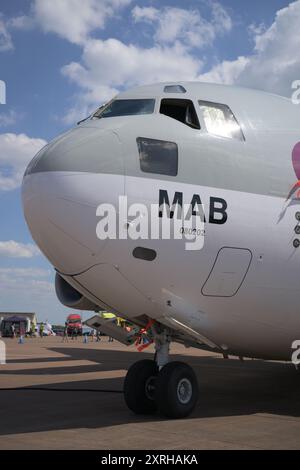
pixel 139 387
pixel 176 390
pixel 171 389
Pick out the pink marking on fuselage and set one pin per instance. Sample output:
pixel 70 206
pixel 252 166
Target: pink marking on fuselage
pixel 296 159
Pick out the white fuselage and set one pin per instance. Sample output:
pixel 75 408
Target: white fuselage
pixel 238 293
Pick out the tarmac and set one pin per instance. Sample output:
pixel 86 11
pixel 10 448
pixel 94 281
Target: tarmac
pixel 71 398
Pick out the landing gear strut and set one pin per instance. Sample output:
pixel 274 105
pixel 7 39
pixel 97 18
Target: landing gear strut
pixel 168 387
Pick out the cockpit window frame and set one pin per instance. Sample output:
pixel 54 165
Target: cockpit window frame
pixel 228 109
pixel 158 157
pixel 186 100
pixel 104 107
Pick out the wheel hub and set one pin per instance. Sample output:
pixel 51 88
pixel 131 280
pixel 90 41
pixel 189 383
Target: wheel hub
pixel 150 387
pixel 184 391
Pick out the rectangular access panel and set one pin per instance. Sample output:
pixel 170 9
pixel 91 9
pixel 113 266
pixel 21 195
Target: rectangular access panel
pixel 228 272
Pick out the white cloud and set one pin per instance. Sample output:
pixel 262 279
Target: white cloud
pixel 16 151
pixel 5 37
pixel 256 29
pixel 23 22
pixel 6 25
pixel 15 249
pixel 29 281
pixel 227 72
pixel 110 65
pixel 7 119
pixel 275 62
pixel 26 272
pixel 74 20
pixel 145 14
pixel 32 290
pixel 187 26
pixel 107 66
pixel 221 19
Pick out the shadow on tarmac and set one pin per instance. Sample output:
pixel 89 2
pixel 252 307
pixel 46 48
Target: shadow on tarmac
pixel 227 388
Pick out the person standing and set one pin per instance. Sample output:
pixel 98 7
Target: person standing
pixel 22 330
pixel 65 335
pixel 41 330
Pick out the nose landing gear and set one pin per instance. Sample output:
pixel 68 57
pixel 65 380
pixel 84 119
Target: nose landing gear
pixel 168 387
pixel 139 387
pixel 176 391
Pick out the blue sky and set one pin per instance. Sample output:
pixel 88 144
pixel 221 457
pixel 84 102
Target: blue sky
pixel 62 58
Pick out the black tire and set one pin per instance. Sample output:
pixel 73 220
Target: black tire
pixel 176 390
pixel 138 396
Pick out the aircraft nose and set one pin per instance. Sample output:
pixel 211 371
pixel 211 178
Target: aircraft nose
pixel 62 188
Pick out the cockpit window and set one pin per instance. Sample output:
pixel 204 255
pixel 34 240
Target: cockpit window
pixel 125 108
pixel 220 120
pixel 174 89
pixel 158 156
pixel 181 110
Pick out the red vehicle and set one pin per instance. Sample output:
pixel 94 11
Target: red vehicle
pixel 74 324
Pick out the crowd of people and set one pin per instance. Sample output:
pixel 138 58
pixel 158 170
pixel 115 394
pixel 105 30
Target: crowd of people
pixel 14 330
pixel 92 335
pixel 68 332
